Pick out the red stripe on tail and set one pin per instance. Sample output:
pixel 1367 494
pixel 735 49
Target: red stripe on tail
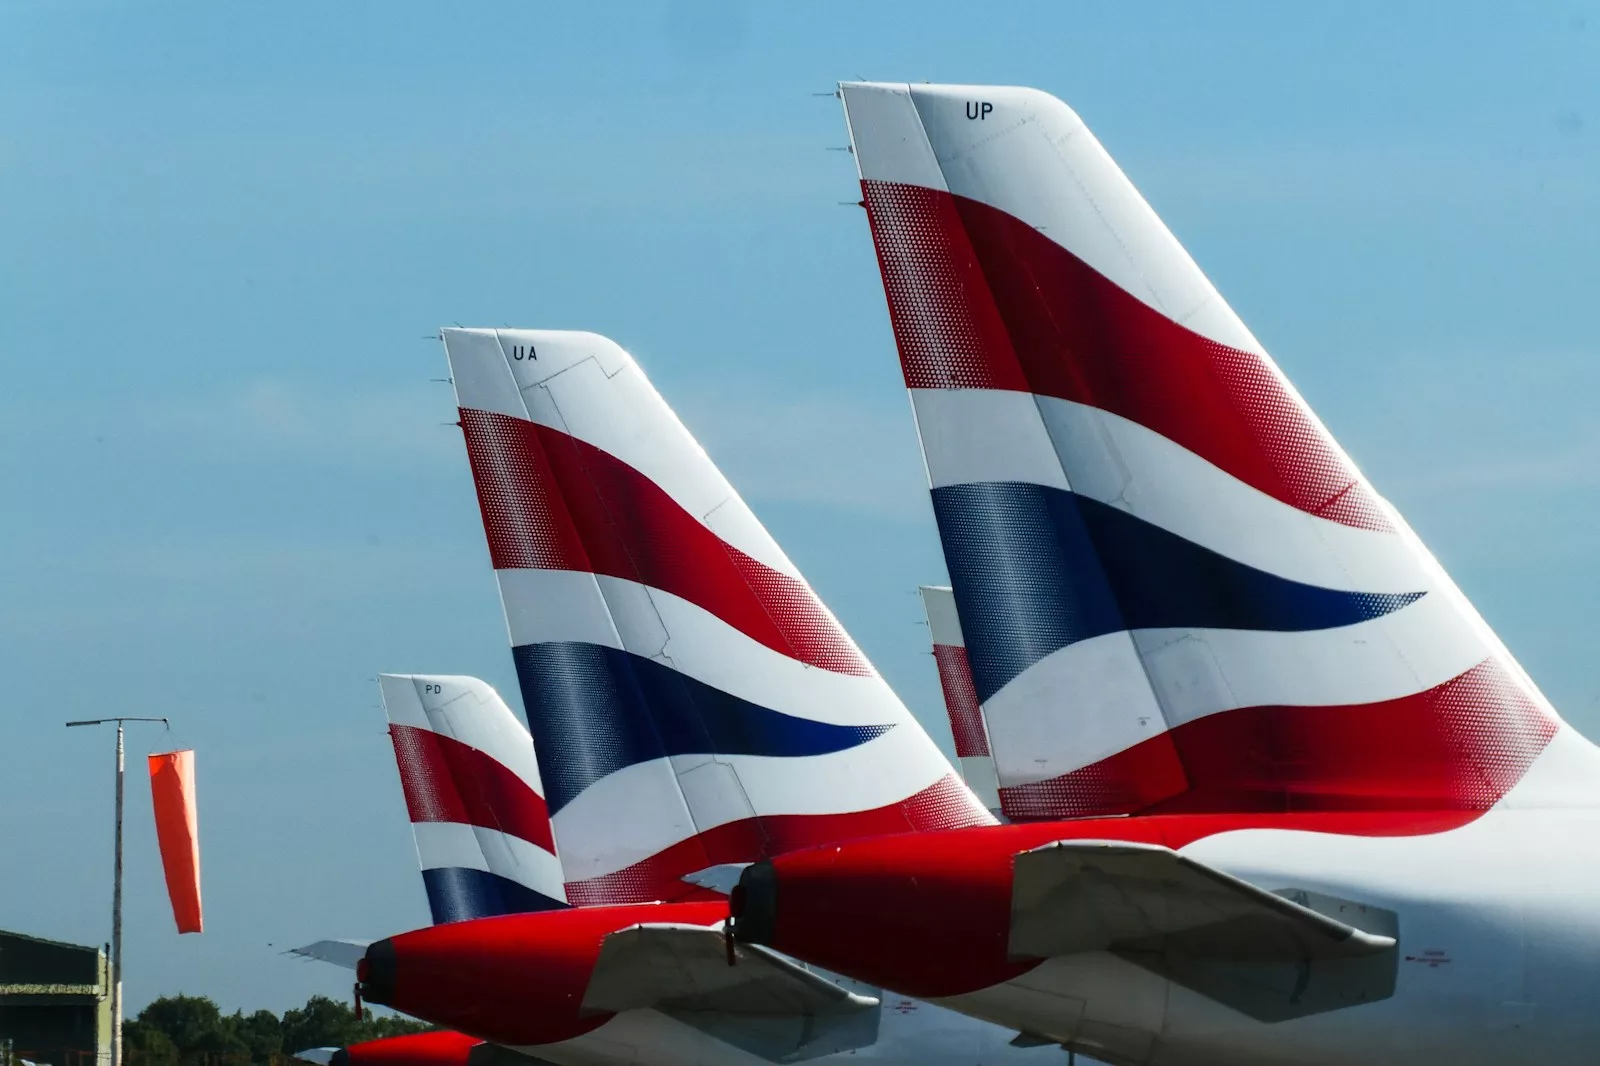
pixel 448 781
pixel 946 804
pixel 551 501
pixel 980 299
pixel 961 701
pixel 1459 746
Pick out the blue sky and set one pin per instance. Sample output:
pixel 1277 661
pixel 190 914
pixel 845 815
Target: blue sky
pixel 227 230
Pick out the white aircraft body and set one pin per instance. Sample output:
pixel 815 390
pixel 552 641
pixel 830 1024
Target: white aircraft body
pixel 1280 795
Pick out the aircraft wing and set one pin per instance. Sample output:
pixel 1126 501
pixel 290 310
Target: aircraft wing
pixel 344 953
pixel 1272 956
pixel 765 1003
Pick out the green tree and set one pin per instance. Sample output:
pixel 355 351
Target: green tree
pixel 191 1031
pixel 322 1022
pixel 378 1026
pixel 189 1022
pixel 261 1033
pixel 145 1044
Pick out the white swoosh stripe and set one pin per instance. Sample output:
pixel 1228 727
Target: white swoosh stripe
pixel 586 386
pixel 1101 696
pixel 466 710
pixel 451 845
pixel 636 812
pixel 1120 463
pixel 1033 158
pixel 560 605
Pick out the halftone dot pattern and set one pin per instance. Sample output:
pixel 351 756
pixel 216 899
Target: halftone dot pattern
pixel 658 878
pixel 945 804
pixel 460 894
pixel 979 299
pixel 811 631
pixel 445 780
pixel 1024 576
pixel 523 516
pixel 1035 569
pixel 552 501
pixel 945 323
pixel 430 789
pixel 1318 477
pixel 594 711
pixel 1124 783
pixel 585 712
pixel 1081 337
pixel 1496 730
pixel 977 295
pixel 1458 746
pixel 961 701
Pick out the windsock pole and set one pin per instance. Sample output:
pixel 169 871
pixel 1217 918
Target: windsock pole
pixel 116 893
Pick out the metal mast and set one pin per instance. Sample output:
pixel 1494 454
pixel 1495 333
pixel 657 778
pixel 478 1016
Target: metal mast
pixel 116 891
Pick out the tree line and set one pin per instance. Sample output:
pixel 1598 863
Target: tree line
pixel 192 1031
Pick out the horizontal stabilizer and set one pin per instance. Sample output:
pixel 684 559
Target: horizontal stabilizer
pixel 765 1004
pixel 344 953
pixel 719 879
pixel 686 966
pixel 1258 952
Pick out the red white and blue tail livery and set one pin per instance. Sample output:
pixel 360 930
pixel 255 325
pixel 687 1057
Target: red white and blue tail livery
pixel 960 697
pixel 472 790
pixel 1157 550
pixel 707 708
pixel 1358 834
pixel 477 811
pixel 537 983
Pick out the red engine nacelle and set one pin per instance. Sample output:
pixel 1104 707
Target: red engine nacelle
pixel 518 979
pixel 439 1048
pixel 929 914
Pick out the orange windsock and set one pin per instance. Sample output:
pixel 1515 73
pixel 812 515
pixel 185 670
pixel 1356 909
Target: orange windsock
pixel 178 832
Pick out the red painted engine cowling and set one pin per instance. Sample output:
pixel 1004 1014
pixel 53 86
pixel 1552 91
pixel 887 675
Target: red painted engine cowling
pixel 929 914
pixel 517 979
pixel 439 1048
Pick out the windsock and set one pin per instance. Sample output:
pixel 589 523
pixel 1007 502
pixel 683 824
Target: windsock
pixel 178 833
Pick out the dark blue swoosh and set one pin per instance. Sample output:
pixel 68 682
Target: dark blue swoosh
pixel 456 894
pixel 594 710
pixel 1036 569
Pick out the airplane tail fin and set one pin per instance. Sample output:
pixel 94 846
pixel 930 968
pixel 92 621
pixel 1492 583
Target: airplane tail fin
pixel 971 736
pixel 693 702
pixel 473 791
pixel 1177 591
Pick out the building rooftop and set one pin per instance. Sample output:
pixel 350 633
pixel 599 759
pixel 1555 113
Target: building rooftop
pixel 32 966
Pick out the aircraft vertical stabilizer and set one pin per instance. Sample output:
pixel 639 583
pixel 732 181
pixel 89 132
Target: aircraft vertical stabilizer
pixel 960 698
pixel 472 789
pixel 1177 591
pixel 693 702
